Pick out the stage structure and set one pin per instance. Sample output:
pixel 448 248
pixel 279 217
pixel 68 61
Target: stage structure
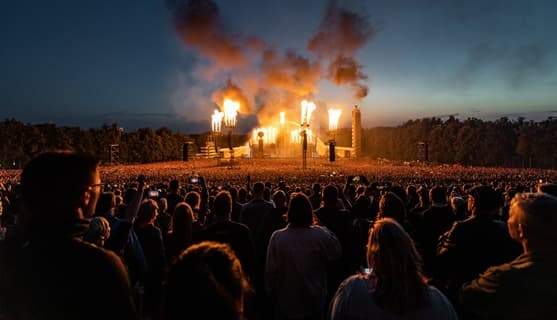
pixel 282 137
pixel 356 131
pixel 334 117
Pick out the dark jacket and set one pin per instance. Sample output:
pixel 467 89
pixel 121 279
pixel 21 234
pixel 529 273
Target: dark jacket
pixel 58 276
pixel 238 237
pixel 525 288
pixel 435 222
pixel 253 213
pixel 472 246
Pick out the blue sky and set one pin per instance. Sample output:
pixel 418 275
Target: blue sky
pixel 88 62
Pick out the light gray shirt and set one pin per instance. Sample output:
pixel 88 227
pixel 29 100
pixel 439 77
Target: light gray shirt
pixel 354 300
pixel 296 269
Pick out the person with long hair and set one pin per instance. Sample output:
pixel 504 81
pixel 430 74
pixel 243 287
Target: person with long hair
pixel 181 235
pixel 297 260
pixel 151 241
pixel 393 286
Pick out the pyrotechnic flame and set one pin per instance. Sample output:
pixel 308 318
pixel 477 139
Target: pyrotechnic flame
pixel 282 118
pixel 334 117
pixel 296 136
pixel 307 109
pixel 269 135
pixel 216 120
pixel 231 108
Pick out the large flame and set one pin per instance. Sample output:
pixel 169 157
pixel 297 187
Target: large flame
pixel 307 109
pixel 231 108
pixel 216 121
pixel 282 118
pixel 296 135
pixel 269 135
pixel 334 117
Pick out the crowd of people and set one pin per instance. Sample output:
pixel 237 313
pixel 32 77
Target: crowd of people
pixel 81 241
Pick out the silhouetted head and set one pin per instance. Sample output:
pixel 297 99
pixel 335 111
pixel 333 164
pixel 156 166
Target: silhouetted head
pixel 391 206
pixel 279 198
pixel 193 199
pixel 59 187
pixel 258 189
pixel 438 195
pixel 300 212
pixel 222 205
pixel 330 195
pixel 206 282
pixel 483 200
pixel 106 203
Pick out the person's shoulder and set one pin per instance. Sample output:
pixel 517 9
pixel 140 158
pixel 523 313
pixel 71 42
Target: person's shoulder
pixel 90 253
pixel 440 304
pixel 359 280
pixel 238 226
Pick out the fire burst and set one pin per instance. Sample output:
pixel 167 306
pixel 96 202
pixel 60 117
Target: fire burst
pixel 231 108
pixel 282 118
pixel 334 117
pixel 216 121
pixel 307 109
pixel 269 135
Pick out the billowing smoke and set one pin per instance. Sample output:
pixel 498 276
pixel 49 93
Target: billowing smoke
pixel 261 77
pixel 199 24
pixel 290 72
pixel 341 34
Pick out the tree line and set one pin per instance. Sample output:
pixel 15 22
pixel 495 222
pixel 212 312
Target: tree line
pixel 19 142
pixel 503 142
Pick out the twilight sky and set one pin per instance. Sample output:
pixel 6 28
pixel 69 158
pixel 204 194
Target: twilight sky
pixel 88 62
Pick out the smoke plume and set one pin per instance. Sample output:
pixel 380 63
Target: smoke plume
pixel 261 77
pixel 199 25
pixel 340 35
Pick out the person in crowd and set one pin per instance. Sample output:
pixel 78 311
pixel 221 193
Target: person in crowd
pixel 182 235
pixel 151 241
pixel 123 240
pixel 339 221
pixel 392 206
pixel 254 211
pixel 413 198
pixel 473 245
pixel 362 220
pixel 56 275
pixel 297 259
pixel 436 220
pixel 236 205
pixel 193 199
pixel 315 197
pixel 235 234
pixel 458 205
pixel 526 287
pixel 173 197
pixel 206 282
pixel 164 219
pixel 98 232
pixel 275 220
pixel 393 287
pixel 242 196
